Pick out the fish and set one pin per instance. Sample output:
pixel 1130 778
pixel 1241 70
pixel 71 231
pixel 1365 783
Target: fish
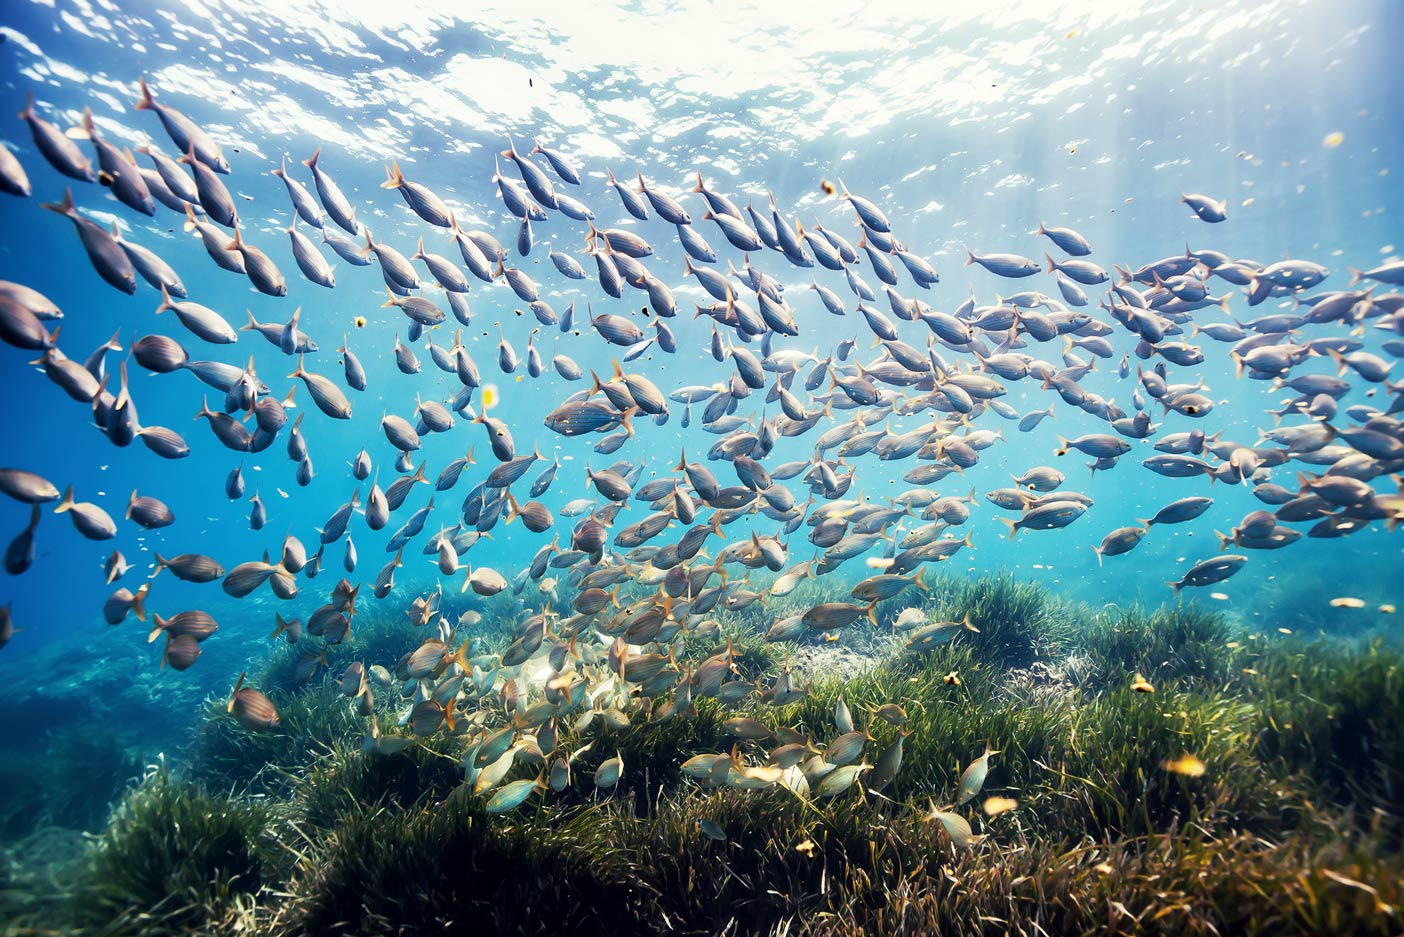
pixel 419 198
pixel 335 203
pixel 511 796
pixel 27 487
pixel 149 512
pixel 1207 572
pixel 189 567
pixel 609 773
pixel 1205 208
pixel 972 779
pixel 88 519
pixel 181 652
pixel 956 827
pixel 1004 265
pixel 203 321
pixel 19 554
pixel 60 151
pixel 1187 765
pixel 104 252
pixel 216 242
pixel 262 272
pixel 251 708
pixel 214 197
pixel 325 393
pixel 1120 541
pixel 124 602
pixel 184 132
pixel 931 635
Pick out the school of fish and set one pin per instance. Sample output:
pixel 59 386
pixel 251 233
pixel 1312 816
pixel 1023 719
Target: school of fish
pixel 608 603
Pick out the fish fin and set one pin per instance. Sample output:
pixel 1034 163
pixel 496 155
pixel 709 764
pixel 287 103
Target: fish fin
pixel 235 694
pixel 395 180
pixel 65 207
pixel 139 601
pixel 145 103
pixel 67 503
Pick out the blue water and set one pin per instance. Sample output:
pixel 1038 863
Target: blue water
pixel 968 128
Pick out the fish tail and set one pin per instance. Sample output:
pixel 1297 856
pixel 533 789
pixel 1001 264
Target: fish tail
pixel 281 626
pixel 139 601
pixel 872 612
pixel 1097 550
pixel 626 420
pixel 969 255
pixel 1052 266
pixel 919 582
pixel 1355 275
pixel 396 178
pixel 67 503
pixel 312 162
pixel 145 103
pixel 235 694
pixel 65 207
pixel 1013 527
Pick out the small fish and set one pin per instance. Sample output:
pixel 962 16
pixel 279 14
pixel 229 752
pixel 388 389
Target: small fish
pixel 187 135
pixel 325 393
pixel 972 779
pixel 511 796
pixel 104 253
pixel 1210 571
pixel 333 200
pixel 149 512
pixel 609 772
pixel 711 830
pixel 19 554
pixel 1187 765
pixel 1206 208
pixel 27 487
pixel 61 152
pixel 957 827
pixel 253 710
pixel 90 520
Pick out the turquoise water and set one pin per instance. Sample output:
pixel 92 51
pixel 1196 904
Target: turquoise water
pixel 963 128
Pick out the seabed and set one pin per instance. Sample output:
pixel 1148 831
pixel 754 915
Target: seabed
pixel 1165 771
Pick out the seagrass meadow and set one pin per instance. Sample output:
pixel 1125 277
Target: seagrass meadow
pixel 1291 827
